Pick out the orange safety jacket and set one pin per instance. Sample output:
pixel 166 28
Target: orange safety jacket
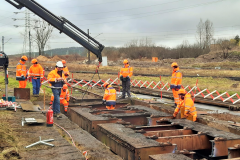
pixel 52 78
pixel 35 71
pixel 188 110
pixel 21 70
pixel 176 81
pixel 66 71
pixel 126 71
pixel 110 96
pixel 64 95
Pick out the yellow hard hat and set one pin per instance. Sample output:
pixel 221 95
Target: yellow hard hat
pixel 24 58
pixel 125 61
pixel 174 64
pixel 34 61
pixel 182 91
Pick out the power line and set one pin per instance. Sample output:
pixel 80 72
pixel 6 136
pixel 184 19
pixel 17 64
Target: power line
pixel 176 9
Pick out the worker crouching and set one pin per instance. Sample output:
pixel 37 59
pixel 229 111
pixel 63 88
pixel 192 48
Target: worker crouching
pixel 186 106
pixel 21 72
pixel 109 97
pixel 64 97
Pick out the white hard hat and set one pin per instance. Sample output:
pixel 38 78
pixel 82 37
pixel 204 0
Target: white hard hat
pixel 59 64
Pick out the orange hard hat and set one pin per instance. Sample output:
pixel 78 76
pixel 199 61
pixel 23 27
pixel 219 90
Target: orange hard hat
pixel 182 91
pixel 125 61
pixel 34 61
pixel 63 62
pixel 24 57
pixel 174 64
pixel 105 84
pixel 65 86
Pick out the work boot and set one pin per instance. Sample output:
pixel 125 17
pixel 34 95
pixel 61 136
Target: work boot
pixel 122 97
pixel 37 95
pixel 59 115
pixel 55 115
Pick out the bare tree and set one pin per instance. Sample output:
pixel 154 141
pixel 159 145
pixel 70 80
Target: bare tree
pixel 43 32
pixel 209 31
pixel 225 46
pixel 205 33
pixel 200 34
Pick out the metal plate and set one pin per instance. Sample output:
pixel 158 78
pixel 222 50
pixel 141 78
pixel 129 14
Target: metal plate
pixel 30 107
pixel 22 93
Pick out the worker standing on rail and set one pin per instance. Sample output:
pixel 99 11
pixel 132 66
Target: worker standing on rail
pixel 176 82
pixel 64 97
pixel 36 73
pixel 21 72
pixel 109 97
pixel 65 69
pixel 186 106
pixel 57 79
pixel 125 75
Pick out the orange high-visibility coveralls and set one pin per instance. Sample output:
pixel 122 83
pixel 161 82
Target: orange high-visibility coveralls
pixel 66 71
pixel 110 97
pixel 176 83
pixel 187 108
pixel 64 98
pixel 35 71
pixel 21 71
pixel 126 70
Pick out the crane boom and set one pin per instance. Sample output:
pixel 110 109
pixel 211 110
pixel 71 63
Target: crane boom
pixel 63 25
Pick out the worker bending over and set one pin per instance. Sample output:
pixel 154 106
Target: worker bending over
pixel 64 97
pixel 36 73
pixel 176 82
pixel 109 97
pixel 65 69
pixel 21 72
pixel 125 75
pixel 186 106
pixel 57 79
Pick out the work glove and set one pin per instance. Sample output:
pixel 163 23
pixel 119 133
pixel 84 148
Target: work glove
pixel 174 114
pixel 121 78
pixel 23 78
pixel 103 102
pixel 66 74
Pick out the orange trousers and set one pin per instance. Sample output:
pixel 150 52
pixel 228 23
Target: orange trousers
pixel 22 84
pixel 175 95
pixel 110 107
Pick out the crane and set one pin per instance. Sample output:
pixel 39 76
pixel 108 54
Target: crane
pixel 63 25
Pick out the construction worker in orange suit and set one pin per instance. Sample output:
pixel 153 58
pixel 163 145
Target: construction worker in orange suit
pixel 21 72
pixel 125 76
pixel 176 82
pixel 109 97
pixel 186 106
pixel 65 69
pixel 64 97
pixel 57 79
pixel 36 73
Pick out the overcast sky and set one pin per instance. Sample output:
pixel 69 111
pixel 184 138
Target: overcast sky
pixel 117 22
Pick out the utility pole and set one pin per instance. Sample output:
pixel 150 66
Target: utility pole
pixel 88 50
pixel 3 43
pixel 30 47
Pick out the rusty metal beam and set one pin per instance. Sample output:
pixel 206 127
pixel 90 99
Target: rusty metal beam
pixel 220 147
pixel 233 152
pixel 157 127
pixel 189 142
pixel 167 133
